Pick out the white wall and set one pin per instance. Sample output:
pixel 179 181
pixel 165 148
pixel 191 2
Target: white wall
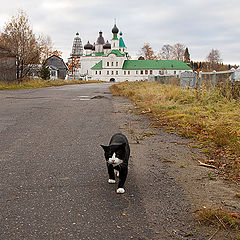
pixel 123 75
pixel 112 58
pixel 87 63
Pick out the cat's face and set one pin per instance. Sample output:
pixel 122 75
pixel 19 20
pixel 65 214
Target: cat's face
pixel 114 154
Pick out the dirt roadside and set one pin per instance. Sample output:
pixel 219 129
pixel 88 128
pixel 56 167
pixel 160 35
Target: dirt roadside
pixel 173 185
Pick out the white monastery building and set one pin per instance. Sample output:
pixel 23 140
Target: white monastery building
pixel 110 62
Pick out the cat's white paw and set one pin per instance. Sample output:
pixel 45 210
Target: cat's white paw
pixel 111 181
pixel 120 190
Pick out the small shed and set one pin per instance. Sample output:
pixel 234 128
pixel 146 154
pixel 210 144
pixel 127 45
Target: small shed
pixel 7 65
pixel 58 66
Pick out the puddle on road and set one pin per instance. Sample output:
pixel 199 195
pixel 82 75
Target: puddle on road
pixel 87 98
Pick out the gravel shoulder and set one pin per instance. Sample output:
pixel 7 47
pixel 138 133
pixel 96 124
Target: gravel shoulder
pixel 172 184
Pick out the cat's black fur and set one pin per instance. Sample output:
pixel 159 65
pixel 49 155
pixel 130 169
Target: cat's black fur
pixel 120 146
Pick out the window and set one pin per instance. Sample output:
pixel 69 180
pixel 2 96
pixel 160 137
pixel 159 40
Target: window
pixel 112 72
pixel 116 64
pixel 175 72
pixel 107 64
pixel 107 72
pixel 141 71
pixel 136 72
pixel 128 72
pixel 100 72
pixel 112 63
pixel 96 72
pixel 151 72
pixel 116 72
pixel 124 72
pixel 146 71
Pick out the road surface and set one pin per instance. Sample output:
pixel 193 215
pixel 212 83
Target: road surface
pixel 53 178
pixel 53 174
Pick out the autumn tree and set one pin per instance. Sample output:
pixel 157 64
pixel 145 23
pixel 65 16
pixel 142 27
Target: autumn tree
pixel 214 58
pixel 178 51
pixel 186 56
pixel 147 52
pixel 19 39
pixel 74 64
pixel 166 52
pixel 56 52
pixel 46 47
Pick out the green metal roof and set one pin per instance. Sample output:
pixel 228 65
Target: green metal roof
pixel 149 64
pixel 121 43
pixel 98 66
pixel 116 52
pixel 98 53
pixel 154 64
pixel 95 54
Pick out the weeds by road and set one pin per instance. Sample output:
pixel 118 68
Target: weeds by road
pixel 206 116
pixel 39 83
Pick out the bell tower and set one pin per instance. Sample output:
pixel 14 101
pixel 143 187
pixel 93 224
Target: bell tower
pixel 77 49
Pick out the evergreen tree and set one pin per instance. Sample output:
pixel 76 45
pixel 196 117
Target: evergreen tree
pixel 186 56
pixel 45 73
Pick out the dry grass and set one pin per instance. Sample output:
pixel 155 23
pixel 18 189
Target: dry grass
pixel 39 83
pixel 207 116
pixel 221 217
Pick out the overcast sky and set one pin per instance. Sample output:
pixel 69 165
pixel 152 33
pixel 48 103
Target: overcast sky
pixel 198 24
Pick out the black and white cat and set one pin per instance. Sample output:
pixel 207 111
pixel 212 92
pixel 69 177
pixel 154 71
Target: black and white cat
pixel 117 155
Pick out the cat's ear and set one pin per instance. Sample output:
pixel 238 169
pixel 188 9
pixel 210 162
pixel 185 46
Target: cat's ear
pixel 105 148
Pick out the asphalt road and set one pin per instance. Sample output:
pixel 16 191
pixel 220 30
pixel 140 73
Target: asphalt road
pixel 53 178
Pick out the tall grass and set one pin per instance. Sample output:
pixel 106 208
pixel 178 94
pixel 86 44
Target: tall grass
pixel 207 116
pixel 39 83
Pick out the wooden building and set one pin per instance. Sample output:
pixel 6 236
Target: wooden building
pixel 7 65
pixel 58 66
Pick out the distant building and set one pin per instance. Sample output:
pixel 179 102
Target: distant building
pixel 110 61
pixel 73 62
pixel 7 65
pixel 77 48
pixel 57 67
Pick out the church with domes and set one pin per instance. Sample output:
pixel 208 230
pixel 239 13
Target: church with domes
pixel 110 61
